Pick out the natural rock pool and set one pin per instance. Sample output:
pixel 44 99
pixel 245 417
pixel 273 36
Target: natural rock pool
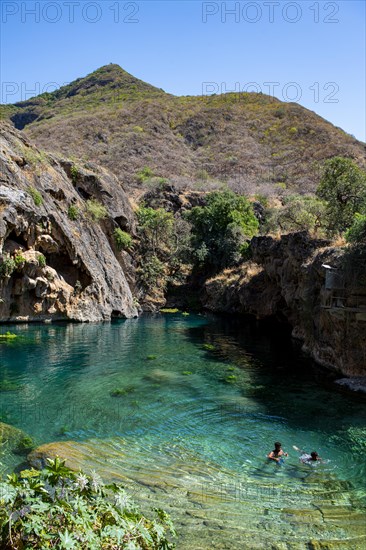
pixel 183 411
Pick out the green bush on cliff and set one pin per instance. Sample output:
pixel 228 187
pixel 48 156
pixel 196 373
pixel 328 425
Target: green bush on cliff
pixel 7 266
pixel 42 262
pixel 144 174
pixel 73 212
pixel 343 187
pixel 122 239
pixel 298 213
pixel 356 234
pixel 220 229
pixel 19 261
pixel 59 508
pixel 36 196
pixel 74 173
pixel 95 210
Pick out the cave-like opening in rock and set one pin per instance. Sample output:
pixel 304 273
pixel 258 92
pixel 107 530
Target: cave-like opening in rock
pixel 15 238
pixel 116 314
pixel 83 194
pixel 62 263
pixel 123 223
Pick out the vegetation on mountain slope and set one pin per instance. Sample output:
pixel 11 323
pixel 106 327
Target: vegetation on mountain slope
pixel 250 141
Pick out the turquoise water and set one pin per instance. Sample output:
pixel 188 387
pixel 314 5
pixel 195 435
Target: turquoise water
pixel 221 408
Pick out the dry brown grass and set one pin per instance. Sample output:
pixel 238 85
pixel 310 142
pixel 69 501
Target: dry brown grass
pixel 338 241
pixel 237 275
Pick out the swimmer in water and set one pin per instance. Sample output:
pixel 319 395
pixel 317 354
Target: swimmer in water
pixel 277 453
pixel 310 458
pixel 307 458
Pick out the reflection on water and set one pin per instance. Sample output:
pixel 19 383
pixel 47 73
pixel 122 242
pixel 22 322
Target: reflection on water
pixel 199 402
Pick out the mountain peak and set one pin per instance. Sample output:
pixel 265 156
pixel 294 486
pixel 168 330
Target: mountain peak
pixel 111 77
pixel 106 80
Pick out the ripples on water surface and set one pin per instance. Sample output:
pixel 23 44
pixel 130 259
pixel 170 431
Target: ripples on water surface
pixel 203 399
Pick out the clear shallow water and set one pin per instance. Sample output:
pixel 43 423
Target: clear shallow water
pixel 180 408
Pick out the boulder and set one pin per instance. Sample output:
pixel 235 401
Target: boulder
pixel 14 439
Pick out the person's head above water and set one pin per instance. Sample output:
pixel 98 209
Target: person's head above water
pixel 314 455
pixel 277 445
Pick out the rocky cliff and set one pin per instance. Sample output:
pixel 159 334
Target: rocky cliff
pixel 58 259
pixel 319 290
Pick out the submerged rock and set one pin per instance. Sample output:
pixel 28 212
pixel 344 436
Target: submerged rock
pixel 358 383
pixel 14 439
pixel 213 508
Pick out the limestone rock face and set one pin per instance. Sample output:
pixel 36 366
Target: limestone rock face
pixel 58 259
pixel 287 279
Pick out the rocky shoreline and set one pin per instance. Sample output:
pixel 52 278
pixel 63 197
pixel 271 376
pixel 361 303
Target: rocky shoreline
pixel 310 285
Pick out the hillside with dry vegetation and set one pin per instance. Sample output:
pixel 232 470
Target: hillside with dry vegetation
pixel 252 142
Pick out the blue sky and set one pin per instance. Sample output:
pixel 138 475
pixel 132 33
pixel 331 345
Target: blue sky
pixel 307 51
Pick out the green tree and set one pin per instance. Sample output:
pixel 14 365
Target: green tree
pixel 152 272
pixel 343 187
pixel 155 228
pixel 220 229
pixel 298 213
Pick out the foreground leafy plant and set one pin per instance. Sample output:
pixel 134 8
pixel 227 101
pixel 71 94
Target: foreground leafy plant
pixel 59 508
